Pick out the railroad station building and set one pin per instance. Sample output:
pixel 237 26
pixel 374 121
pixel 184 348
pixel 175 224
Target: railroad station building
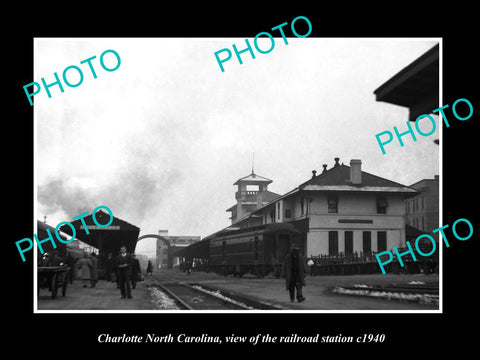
pixel 251 195
pixel 422 210
pixel 343 210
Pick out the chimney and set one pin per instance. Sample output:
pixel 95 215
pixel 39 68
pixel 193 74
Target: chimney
pixel 324 168
pixel 314 173
pixel 356 172
pixel 336 162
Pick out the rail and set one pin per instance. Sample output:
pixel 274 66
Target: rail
pixel 194 297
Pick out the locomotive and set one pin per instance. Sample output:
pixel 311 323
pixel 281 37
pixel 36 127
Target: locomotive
pixel 258 250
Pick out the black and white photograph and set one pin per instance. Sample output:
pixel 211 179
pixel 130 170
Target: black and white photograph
pixel 244 182
pixel 160 140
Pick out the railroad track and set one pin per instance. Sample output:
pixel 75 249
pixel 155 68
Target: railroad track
pixel 196 297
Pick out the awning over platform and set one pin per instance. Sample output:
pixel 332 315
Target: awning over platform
pixel 106 239
pixel 198 250
pixel 416 86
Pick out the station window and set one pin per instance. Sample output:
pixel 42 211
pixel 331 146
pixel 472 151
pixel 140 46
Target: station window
pixel 333 203
pixel 288 213
pixel 382 241
pixel 382 205
pixel 367 242
pixel 332 242
pixel 348 242
pixel 272 215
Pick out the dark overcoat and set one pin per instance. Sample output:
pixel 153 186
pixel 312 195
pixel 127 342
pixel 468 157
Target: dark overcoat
pixel 287 269
pixel 123 264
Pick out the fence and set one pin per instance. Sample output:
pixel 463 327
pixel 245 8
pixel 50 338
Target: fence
pixel 366 263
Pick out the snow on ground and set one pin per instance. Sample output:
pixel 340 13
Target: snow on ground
pixel 420 298
pixel 161 300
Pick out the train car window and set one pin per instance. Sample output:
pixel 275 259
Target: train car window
pixel 273 245
pixel 224 244
pixel 256 247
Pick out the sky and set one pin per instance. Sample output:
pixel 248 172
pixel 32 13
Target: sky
pixel 162 139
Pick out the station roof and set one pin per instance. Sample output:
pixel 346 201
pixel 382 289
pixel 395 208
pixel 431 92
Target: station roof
pixel 416 86
pixel 267 196
pixel 199 250
pixel 107 239
pixel 42 230
pixel 47 247
pixel 338 179
pixel 253 179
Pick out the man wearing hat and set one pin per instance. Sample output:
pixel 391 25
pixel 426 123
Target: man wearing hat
pixel 135 270
pixel 294 270
pixel 123 264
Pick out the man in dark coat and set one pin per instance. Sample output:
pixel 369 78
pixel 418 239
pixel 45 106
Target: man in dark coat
pixel 136 271
pixel 149 268
pixel 70 261
pixel 93 270
pixel 294 270
pixel 109 267
pixel 124 270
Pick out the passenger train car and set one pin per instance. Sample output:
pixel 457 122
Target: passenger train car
pixel 257 250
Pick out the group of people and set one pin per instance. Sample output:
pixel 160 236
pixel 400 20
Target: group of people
pixel 123 269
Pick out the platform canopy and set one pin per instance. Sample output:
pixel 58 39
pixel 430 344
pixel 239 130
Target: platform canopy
pixel 416 86
pixel 199 250
pixel 107 239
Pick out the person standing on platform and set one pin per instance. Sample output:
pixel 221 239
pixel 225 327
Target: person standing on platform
pixel 311 264
pixel 93 270
pixel 70 261
pixel 84 266
pixel 149 268
pixel 108 268
pixel 136 271
pixel 188 266
pixel 123 264
pixel 294 269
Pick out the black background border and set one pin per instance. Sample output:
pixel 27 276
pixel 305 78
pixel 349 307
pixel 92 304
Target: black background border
pixel 429 333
